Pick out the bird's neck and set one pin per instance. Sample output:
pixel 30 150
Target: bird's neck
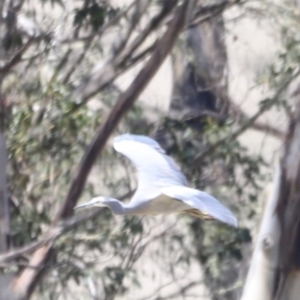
pixel 119 208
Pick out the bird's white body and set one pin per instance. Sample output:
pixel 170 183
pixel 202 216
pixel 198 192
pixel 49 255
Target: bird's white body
pixel 162 188
pixel 162 204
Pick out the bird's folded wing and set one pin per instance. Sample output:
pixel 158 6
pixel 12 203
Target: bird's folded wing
pixel 203 202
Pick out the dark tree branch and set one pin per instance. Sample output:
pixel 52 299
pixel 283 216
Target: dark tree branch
pixel 167 8
pixel 116 65
pixel 28 279
pixel 4 203
pixel 139 57
pixel 108 72
pixel 211 10
pixel 51 235
pixel 4 206
pixel 124 103
pixel 260 126
pixel 56 232
pixel 140 7
pixel 87 44
pixel 16 59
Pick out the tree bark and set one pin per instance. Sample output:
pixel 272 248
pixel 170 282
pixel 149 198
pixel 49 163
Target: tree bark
pixel 200 90
pixel 4 205
pixel 275 266
pixel 4 208
pixel 199 72
pixel 260 279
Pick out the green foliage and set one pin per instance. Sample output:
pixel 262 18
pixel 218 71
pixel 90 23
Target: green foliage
pixel 93 16
pixel 232 174
pixel 47 134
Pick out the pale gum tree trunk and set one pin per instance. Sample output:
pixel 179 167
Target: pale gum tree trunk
pixel 274 272
pixel 260 279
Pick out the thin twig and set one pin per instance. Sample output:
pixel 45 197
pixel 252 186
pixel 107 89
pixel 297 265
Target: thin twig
pixel 248 123
pixel 124 103
pixel 212 10
pixel 56 232
pixel 140 7
pixel 152 25
pixel 87 44
pixel 16 58
pixel 29 278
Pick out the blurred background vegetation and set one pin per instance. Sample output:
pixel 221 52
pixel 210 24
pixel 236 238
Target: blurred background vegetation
pixel 63 68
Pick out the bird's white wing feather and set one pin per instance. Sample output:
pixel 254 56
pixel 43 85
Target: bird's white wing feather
pixel 155 169
pixel 203 202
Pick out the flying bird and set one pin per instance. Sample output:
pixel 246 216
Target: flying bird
pixel 162 187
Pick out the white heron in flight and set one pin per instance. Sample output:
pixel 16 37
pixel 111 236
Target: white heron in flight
pixel 162 188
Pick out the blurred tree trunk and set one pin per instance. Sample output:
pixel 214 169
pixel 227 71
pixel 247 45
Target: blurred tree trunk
pixel 200 73
pixel 199 63
pixel 5 279
pixel 200 90
pixel 4 208
pixel 275 267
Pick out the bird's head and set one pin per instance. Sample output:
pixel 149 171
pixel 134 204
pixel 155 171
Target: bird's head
pixel 115 205
pixel 97 201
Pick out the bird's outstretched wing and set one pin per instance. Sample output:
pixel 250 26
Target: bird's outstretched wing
pixel 155 169
pixel 202 201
